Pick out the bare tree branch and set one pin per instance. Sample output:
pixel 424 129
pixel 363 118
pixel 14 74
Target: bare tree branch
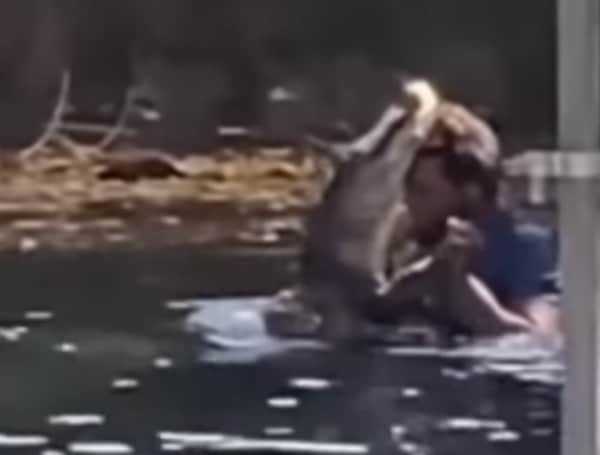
pixel 53 126
pixel 119 127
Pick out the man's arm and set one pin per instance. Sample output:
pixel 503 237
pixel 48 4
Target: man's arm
pixel 475 306
pixel 467 297
pixel 542 312
pixel 457 296
pixel 449 295
pixel 532 288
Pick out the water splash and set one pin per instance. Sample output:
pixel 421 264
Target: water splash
pixel 14 441
pixel 100 448
pixel 75 420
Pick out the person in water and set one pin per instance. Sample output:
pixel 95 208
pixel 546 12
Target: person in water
pixel 480 270
pixel 487 271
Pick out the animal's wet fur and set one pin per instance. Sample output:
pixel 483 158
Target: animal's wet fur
pixel 350 233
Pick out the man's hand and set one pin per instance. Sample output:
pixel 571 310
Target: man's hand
pixel 462 240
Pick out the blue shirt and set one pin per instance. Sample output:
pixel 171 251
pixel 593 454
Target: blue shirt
pixel 518 260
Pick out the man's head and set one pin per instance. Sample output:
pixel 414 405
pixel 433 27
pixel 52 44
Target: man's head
pixel 443 182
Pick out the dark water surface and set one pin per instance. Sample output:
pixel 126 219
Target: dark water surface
pixel 107 320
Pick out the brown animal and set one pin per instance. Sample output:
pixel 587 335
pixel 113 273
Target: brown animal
pixel 349 234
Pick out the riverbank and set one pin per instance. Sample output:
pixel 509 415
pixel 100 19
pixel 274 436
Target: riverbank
pixel 131 199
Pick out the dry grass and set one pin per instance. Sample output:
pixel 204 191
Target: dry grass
pixel 60 200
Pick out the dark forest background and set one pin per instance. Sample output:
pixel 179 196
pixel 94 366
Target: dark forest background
pixel 204 63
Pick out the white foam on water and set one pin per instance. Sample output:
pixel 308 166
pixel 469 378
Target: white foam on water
pixel 470 424
pixel 162 363
pixel 278 431
pixel 7 440
pixel 311 383
pixel 411 448
pixel 172 447
pixel 39 315
pixel 230 443
pixel 541 432
pixel 52 452
pixel 28 244
pixel 191 438
pixel 100 448
pixel 411 392
pixel 282 94
pixel 183 305
pixel 397 433
pixel 520 368
pixel 294 446
pixel 283 402
pixel 233 330
pixel 13 334
pixel 542 378
pixel 541 414
pixel 453 373
pixel 415 351
pixel 76 419
pixel 171 220
pixel 231 323
pixel 66 348
pixel 125 383
pixel 503 436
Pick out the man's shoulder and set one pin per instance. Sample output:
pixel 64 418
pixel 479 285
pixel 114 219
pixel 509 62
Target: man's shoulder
pixel 520 255
pixel 513 227
pixel 533 232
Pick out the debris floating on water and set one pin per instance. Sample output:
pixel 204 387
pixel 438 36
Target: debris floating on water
pixel 125 384
pixel 76 419
pixel 283 402
pixel 7 440
pixel 311 383
pixel 97 448
pixel 39 315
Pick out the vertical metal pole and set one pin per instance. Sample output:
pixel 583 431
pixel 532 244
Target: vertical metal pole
pixel 579 123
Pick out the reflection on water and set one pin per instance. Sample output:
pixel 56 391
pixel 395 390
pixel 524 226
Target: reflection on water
pixel 107 365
